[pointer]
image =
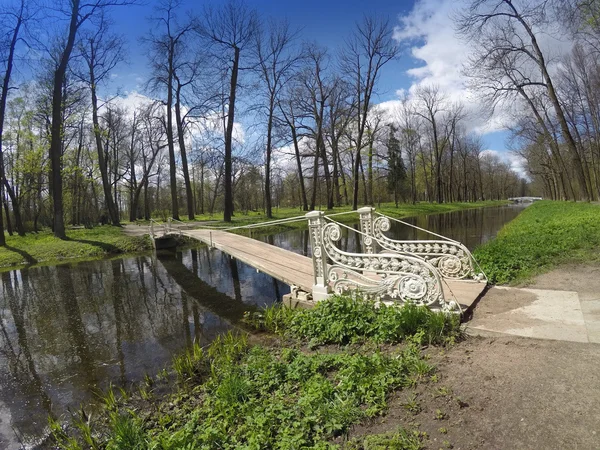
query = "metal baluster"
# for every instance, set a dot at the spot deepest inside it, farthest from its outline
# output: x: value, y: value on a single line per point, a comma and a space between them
x: 316, y: 222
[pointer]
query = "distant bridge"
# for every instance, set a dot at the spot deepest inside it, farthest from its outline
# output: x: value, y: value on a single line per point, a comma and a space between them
x: 440, y: 273
x: 524, y: 199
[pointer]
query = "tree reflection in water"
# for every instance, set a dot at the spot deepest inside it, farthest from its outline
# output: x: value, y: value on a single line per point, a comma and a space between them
x: 68, y: 330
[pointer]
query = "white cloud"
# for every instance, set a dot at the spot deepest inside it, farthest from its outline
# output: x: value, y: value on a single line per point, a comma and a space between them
x: 428, y: 33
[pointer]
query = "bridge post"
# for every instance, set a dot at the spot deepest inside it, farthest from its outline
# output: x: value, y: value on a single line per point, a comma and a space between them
x: 316, y: 222
x: 366, y: 227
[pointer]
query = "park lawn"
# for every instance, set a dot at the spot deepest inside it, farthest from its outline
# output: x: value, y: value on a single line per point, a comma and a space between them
x: 81, y: 244
x: 403, y: 210
x: 544, y: 235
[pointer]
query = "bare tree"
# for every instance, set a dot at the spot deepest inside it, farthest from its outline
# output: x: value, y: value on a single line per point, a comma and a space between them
x: 101, y: 52
x: 78, y: 15
x: 167, y: 48
x: 367, y: 50
x: 276, y: 63
x: 17, y: 17
x: 230, y: 29
x: 506, y: 36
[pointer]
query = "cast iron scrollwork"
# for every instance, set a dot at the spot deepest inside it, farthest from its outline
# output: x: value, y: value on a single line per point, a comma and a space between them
x: 452, y: 259
x: 395, y: 276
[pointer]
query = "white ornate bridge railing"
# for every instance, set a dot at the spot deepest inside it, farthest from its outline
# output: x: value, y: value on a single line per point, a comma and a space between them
x: 394, y: 276
x: 451, y: 258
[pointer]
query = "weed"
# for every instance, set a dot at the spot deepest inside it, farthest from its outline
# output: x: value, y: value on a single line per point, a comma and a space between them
x: 400, y: 440
x: 127, y: 433
x: 190, y: 363
x: 443, y: 391
x: 412, y: 405
x: 350, y: 319
x: 440, y: 415
x: 443, y: 430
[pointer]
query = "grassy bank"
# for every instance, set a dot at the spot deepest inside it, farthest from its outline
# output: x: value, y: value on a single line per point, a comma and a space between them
x: 543, y: 236
x: 99, y: 242
x: 81, y: 244
x: 402, y: 211
x: 300, y: 388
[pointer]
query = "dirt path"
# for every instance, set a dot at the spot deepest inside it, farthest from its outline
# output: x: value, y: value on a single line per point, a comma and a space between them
x: 511, y: 392
x: 521, y: 394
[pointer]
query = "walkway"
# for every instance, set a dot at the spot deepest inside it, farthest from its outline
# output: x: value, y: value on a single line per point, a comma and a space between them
x: 563, y: 304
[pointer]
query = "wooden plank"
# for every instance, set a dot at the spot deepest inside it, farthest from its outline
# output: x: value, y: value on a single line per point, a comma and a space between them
x: 288, y: 267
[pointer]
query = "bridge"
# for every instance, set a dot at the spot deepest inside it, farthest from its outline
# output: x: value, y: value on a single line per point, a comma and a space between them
x: 440, y: 273
x: 524, y: 199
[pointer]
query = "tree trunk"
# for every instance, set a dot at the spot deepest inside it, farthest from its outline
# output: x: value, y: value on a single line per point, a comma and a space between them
x: 184, y: 162
x: 268, y: 200
x: 3, y: 99
x: 170, y: 141
x: 57, y: 125
x: 110, y: 205
x: 228, y: 210
x: 299, y: 166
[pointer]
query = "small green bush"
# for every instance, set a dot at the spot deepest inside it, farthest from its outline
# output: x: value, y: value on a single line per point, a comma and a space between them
x: 345, y: 319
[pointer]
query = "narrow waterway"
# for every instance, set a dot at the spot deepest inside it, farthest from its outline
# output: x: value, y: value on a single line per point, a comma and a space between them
x: 67, y: 331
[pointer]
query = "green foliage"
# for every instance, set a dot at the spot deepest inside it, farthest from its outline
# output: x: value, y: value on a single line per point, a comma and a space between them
x: 190, y: 363
x: 401, y: 440
x: 240, y: 396
x: 92, y: 243
x: 543, y: 235
x: 347, y: 319
x: 126, y: 433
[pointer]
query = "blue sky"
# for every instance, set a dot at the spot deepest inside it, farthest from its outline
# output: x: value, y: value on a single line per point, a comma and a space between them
x: 429, y: 49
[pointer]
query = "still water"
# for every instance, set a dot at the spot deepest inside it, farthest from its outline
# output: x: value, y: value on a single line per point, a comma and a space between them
x: 67, y: 331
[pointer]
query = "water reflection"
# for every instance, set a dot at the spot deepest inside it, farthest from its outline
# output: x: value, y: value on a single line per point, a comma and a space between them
x: 68, y: 330
x: 472, y: 227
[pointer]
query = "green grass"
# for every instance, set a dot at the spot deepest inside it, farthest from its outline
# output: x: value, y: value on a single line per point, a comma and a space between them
x: 344, y: 320
x: 543, y: 236
x: 236, y: 395
x: 403, y: 210
x: 81, y: 244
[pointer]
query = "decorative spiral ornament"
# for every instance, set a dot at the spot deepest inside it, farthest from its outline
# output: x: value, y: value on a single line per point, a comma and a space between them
x: 333, y: 231
x: 367, y: 240
x: 383, y: 223
x: 412, y: 287
x: 317, y: 252
x: 450, y: 266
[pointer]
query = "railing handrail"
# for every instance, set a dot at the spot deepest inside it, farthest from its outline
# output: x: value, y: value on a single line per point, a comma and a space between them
x: 417, y: 227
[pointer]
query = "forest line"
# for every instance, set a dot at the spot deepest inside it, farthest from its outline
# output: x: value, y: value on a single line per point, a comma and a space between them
x: 243, y: 113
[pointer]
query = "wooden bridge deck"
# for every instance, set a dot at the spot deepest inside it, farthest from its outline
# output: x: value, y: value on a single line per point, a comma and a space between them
x: 294, y: 269
x: 288, y: 267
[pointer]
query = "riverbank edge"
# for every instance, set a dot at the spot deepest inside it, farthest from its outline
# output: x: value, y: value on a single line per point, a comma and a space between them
x: 544, y: 236
x: 402, y: 212
x: 383, y: 352
x: 42, y: 249
x: 54, y: 253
